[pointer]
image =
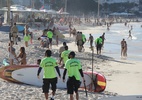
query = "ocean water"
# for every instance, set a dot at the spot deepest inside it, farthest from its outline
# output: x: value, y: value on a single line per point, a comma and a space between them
x: 114, y: 36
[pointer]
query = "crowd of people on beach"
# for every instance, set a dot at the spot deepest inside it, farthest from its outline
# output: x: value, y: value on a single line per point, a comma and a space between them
x: 67, y: 57
x: 70, y: 63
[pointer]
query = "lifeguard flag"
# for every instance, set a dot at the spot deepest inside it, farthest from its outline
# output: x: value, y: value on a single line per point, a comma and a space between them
x: 61, y: 10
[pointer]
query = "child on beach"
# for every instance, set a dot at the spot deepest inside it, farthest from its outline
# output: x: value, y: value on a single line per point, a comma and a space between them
x: 12, y: 54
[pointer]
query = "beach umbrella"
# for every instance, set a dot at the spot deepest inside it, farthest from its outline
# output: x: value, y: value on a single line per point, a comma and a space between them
x: 51, y: 11
x: 65, y: 13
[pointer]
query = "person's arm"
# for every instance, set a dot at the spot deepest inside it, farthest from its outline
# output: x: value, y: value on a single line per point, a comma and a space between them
x: 61, y: 58
x: 82, y: 75
x: 81, y: 72
x: 39, y: 70
x: 58, y: 71
x: 64, y: 74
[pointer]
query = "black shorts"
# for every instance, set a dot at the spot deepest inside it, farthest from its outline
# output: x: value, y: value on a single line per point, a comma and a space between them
x: 50, y: 40
x: 72, y: 85
x: 46, y: 85
x: 99, y: 46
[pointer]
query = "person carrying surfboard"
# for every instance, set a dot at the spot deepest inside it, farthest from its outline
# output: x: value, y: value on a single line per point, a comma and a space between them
x: 73, y: 67
x: 64, y: 56
x: 49, y: 64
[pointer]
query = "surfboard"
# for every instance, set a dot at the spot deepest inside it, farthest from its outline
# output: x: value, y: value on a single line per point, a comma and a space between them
x: 133, y: 97
x: 60, y: 27
x: 29, y: 76
x: 59, y: 34
x: 98, y: 82
x: 7, y: 28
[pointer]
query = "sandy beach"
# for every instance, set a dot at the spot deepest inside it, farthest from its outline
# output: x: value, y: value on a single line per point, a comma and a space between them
x: 123, y: 76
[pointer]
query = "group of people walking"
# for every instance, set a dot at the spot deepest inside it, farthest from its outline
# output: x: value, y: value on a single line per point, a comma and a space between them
x: 72, y: 67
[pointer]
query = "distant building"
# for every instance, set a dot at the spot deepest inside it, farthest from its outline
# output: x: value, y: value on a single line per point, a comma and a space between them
x: 119, y: 1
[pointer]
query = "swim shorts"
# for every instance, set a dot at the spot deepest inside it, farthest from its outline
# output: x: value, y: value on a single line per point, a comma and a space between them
x: 72, y: 85
x: 46, y: 84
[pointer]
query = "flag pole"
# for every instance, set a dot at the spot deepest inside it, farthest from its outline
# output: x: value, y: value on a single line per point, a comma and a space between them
x: 65, y: 5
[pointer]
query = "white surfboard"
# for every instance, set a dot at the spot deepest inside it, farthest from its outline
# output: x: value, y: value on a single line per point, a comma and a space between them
x: 29, y: 76
x: 60, y: 27
x: 133, y: 97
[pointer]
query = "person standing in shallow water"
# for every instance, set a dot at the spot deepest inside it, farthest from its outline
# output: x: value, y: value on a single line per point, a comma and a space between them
x: 49, y: 64
x: 123, y: 48
x: 130, y: 36
x: 91, y: 39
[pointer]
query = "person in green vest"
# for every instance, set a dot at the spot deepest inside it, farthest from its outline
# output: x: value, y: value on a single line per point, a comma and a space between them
x: 64, y: 56
x: 83, y: 40
x: 74, y: 69
x: 49, y: 64
x: 98, y: 43
x: 50, y: 36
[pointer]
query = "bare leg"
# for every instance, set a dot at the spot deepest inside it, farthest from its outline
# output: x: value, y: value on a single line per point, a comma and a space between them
x: 46, y: 96
x: 77, y: 96
x: 71, y: 96
x: 57, y: 40
x: 11, y: 61
x: 26, y: 43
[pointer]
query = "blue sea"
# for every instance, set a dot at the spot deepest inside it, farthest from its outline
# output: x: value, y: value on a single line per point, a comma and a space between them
x: 115, y: 35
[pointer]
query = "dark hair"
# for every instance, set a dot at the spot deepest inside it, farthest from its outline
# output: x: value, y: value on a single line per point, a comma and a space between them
x: 10, y: 43
x: 48, y: 53
x: 66, y: 47
x: 14, y: 23
x: 72, y: 53
x: 39, y: 38
x: 38, y: 61
x: 64, y: 43
x: 22, y: 49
